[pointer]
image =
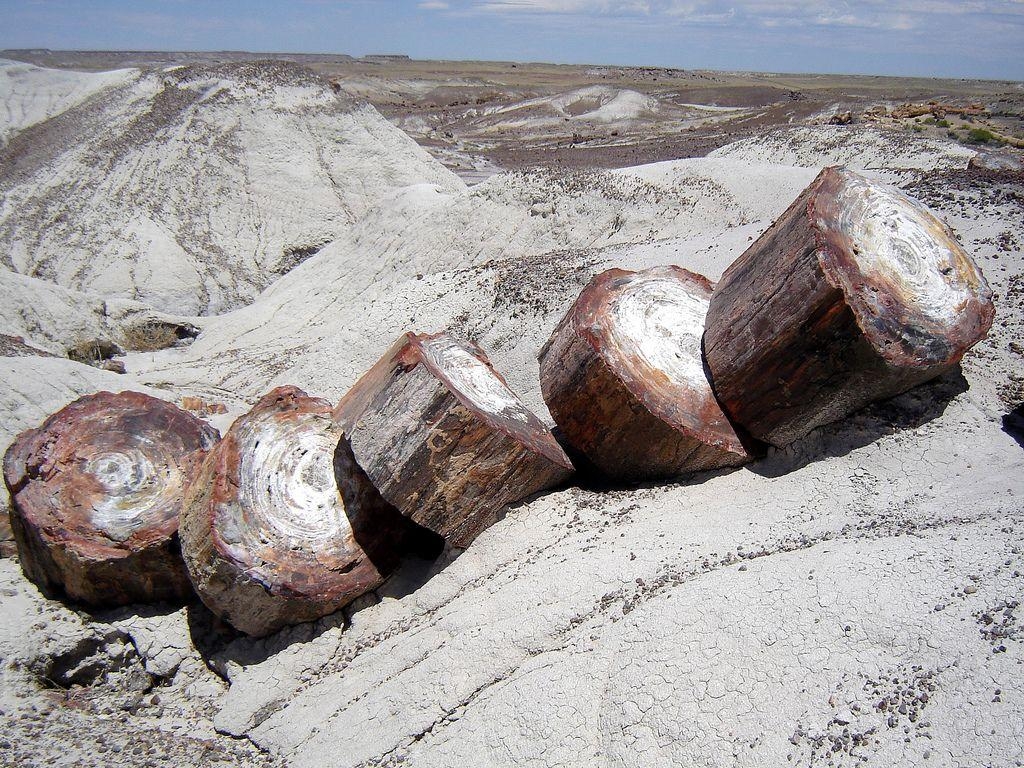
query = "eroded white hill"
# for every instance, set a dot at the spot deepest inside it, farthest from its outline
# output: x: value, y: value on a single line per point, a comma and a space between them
x: 858, y: 147
x: 194, y: 188
x: 30, y: 94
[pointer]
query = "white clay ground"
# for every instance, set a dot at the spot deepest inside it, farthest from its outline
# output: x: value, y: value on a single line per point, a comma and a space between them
x: 851, y: 600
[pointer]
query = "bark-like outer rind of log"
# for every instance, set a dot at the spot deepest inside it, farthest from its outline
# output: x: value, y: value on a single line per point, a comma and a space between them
x: 253, y: 581
x: 632, y: 421
x: 444, y: 461
x: 61, y: 548
x: 798, y: 335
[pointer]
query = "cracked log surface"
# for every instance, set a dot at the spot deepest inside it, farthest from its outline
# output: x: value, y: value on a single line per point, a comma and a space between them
x: 443, y: 438
x: 96, y: 492
x: 855, y: 294
x: 267, y: 536
x: 624, y: 378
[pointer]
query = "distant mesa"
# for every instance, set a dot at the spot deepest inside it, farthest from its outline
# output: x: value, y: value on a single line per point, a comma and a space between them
x: 385, y: 57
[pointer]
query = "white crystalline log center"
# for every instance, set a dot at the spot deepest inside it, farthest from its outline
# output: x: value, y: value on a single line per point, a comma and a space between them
x: 474, y: 380
x: 656, y: 319
x: 132, y: 486
x: 899, y: 243
x: 287, y: 487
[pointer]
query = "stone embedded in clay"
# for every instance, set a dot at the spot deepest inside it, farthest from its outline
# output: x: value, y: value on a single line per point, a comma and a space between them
x: 856, y: 293
x: 267, y: 535
x: 623, y: 376
x: 96, y: 494
x: 444, y: 439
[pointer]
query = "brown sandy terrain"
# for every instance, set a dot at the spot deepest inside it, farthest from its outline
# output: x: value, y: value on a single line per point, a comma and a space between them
x: 479, y: 117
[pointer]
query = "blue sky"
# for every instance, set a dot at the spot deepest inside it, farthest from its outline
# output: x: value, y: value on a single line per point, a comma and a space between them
x: 973, y: 38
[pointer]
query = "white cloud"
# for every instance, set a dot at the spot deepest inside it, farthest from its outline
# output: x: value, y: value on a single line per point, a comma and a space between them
x: 610, y: 7
x: 434, y: 5
x: 840, y: 30
x: 868, y: 14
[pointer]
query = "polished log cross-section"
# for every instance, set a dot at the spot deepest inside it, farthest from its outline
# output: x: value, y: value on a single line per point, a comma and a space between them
x: 856, y: 293
x: 267, y: 536
x: 624, y: 379
x: 442, y: 437
x: 96, y: 492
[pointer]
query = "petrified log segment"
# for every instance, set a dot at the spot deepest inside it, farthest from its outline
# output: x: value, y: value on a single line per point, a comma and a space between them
x: 444, y: 439
x: 267, y: 537
x: 855, y: 294
x: 624, y: 379
x: 96, y: 491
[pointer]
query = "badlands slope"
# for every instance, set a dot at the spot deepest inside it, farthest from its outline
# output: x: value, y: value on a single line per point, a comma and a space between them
x: 853, y: 599
x: 193, y: 188
x: 32, y: 94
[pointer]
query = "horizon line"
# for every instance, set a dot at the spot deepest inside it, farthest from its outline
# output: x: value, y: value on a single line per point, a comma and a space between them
x: 353, y: 57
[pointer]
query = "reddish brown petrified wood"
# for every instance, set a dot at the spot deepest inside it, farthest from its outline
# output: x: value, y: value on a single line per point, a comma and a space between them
x: 96, y: 491
x: 268, y: 538
x: 444, y: 440
x: 855, y: 294
x: 624, y: 378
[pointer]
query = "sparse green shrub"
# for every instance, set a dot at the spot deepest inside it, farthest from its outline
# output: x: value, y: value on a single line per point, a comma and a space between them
x: 943, y: 123
x: 982, y: 136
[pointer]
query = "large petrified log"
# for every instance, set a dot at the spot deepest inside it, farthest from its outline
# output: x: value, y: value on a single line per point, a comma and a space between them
x: 96, y: 491
x: 855, y: 294
x: 624, y: 378
x: 444, y: 439
x: 267, y: 536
